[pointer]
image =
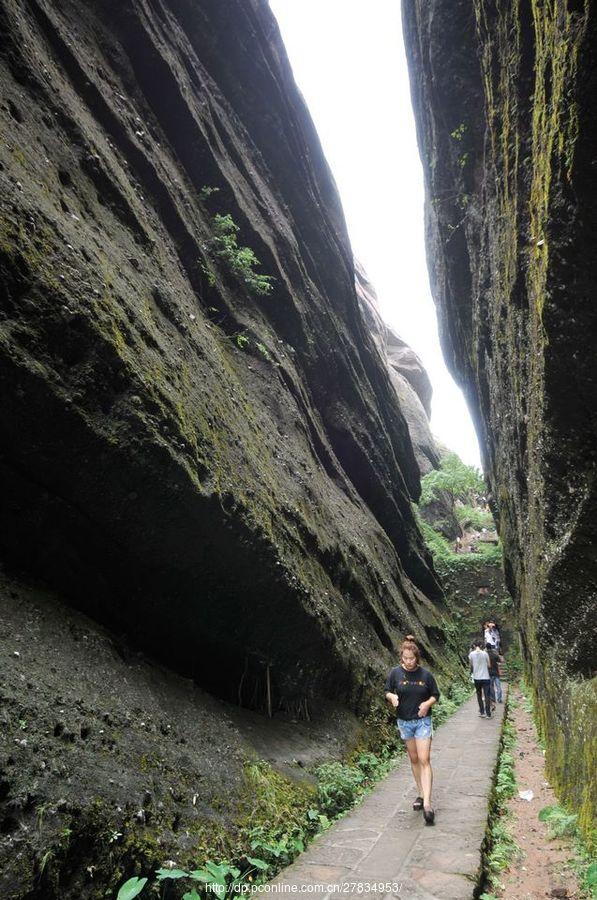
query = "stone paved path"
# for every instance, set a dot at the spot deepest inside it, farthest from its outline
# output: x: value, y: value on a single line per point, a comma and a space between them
x: 384, y: 841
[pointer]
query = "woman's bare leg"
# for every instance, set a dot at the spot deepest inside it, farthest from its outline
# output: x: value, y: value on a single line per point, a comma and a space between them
x: 411, y: 749
x: 423, y: 751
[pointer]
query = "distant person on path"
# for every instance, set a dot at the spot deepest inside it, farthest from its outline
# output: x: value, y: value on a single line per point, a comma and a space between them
x: 495, y: 688
x: 412, y: 691
x: 479, y: 661
x: 487, y: 634
x: 492, y: 635
x: 497, y: 637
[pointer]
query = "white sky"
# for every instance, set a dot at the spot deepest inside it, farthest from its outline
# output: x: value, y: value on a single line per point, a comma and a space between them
x: 348, y: 60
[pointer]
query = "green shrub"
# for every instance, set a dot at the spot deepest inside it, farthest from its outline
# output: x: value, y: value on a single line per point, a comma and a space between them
x: 369, y: 764
x: 240, y: 261
x: 561, y: 823
x: 447, y: 562
x: 462, y: 482
x: 338, y: 787
x: 474, y: 517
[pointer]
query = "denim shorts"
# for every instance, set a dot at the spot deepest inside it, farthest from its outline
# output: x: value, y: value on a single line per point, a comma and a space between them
x: 415, y: 728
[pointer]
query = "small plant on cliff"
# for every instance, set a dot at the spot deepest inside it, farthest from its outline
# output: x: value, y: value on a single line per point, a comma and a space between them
x: 459, y: 132
x: 206, y: 191
x: 240, y: 261
x: 264, y: 351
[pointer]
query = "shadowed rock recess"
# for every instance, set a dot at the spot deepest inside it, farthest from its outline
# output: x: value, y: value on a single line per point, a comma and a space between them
x: 212, y: 465
x: 504, y: 99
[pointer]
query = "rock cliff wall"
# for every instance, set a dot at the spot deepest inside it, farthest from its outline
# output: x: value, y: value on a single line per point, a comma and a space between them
x: 407, y: 375
x: 205, y: 459
x: 200, y: 446
x: 504, y: 100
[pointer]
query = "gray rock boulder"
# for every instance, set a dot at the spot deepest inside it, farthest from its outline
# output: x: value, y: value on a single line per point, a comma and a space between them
x: 407, y: 373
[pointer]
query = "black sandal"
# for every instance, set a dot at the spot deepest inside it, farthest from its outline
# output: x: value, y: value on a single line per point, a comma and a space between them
x: 429, y: 816
x: 418, y: 804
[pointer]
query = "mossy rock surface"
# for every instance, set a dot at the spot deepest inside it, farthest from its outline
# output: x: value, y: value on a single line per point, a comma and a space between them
x: 188, y: 461
x: 504, y: 100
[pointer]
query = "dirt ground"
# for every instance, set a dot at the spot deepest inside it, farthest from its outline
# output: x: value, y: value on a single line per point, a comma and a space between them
x: 109, y: 762
x: 539, y: 870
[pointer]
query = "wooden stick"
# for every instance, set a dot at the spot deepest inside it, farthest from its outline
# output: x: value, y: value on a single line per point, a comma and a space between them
x: 269, y: 692
x: 242, y: 678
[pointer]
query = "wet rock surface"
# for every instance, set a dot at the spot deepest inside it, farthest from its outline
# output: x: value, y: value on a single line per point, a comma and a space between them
x: 218, y: 466
x: 504, y: 101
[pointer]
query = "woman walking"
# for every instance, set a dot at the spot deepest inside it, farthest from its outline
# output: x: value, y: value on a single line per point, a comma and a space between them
x: 412, y: 691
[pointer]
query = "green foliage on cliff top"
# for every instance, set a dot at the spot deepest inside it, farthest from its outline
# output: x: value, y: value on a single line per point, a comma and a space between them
x: 464, y: 483
x: 446, y: 561
x: 474, y: 517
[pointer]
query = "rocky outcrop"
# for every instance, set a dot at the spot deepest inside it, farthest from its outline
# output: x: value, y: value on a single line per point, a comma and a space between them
x: 198, y: 449
x: 504, y: 100
x: 407, y: 373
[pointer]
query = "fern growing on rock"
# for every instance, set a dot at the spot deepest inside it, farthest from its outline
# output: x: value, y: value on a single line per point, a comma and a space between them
x: 239, y: 261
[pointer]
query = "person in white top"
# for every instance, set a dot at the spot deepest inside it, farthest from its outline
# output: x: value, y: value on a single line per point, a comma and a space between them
x: 488, y: 635
x: 479, y: 662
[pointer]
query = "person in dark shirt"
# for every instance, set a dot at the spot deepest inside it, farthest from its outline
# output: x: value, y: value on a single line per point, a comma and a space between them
x: 494, y: 674
x: 412, y: 691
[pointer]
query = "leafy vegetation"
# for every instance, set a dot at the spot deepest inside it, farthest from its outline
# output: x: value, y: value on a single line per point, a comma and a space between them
x: 447, y: 561
x: 474, y: 517
x: 206, y: 192
x: 460, y: 490
x: 461, y: 482
x: 561, y: 823
x: 239, y: 261
x: 131, y: 888
x: 339, y: 786
x: 501, y: 846
x: 459, y: 132
x: 589, y: 879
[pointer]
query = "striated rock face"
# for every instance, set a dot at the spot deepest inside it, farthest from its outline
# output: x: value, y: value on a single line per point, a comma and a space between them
x: 407, y: 373
x: 504, y: 99
x: 212, y: 463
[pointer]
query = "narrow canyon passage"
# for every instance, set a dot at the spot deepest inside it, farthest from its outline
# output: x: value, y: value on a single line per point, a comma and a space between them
x: 225, y: 507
